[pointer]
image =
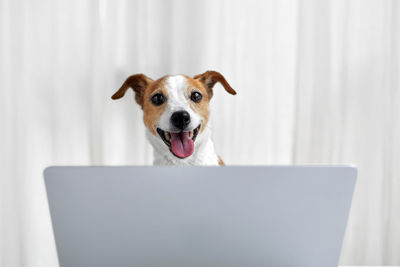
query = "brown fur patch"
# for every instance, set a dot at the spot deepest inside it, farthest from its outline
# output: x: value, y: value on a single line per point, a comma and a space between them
x: 138, y: 82
x: 210, y: 78
x: 202, y: 107
x: 152, y: 113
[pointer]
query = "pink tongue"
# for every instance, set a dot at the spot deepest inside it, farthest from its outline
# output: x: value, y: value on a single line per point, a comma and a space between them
x: 182, y: 146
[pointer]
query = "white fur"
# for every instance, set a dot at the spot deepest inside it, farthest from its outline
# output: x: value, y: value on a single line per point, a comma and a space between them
x: 176, y: 87
x: 178, y: 99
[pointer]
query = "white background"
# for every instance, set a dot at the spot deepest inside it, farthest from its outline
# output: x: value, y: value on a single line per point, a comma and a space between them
x: 317, y: 82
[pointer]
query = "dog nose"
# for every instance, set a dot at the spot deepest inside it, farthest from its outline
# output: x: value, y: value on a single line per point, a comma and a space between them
x: 180, y: 119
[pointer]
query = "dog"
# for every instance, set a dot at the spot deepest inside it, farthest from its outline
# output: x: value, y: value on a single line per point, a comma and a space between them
x: 176, y: 113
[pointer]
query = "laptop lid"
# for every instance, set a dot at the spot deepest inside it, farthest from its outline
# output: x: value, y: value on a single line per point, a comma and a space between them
x: 199, y: 216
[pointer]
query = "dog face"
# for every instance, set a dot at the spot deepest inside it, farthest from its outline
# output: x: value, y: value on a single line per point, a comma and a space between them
x: 175, y: 108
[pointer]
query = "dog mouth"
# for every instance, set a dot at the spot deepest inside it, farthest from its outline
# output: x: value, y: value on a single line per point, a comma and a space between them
x: 181, y: 144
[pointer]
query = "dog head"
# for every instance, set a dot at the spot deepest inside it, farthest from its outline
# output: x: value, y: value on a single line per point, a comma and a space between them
x: 175, y: 108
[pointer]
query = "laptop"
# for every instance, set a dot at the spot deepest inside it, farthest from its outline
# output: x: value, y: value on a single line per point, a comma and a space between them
x: 239, y: 216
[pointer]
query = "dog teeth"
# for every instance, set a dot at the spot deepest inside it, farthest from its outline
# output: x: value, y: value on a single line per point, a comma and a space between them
x: 191, y: 134
x: 168, y: 136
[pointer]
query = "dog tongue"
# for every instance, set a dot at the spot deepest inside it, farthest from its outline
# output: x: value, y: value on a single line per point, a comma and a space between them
x: 182, y: 146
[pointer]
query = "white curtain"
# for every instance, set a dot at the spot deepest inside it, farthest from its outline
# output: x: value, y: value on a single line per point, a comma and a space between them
x: 317, y: 82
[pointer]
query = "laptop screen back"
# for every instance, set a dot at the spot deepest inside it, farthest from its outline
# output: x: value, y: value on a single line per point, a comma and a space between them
x: 199, y: 216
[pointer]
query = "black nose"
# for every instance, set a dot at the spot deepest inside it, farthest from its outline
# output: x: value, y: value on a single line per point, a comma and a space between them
x: 180, y: 119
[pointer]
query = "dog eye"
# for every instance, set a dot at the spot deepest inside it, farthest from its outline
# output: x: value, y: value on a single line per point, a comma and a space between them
x: 158, y: 99
x: 196, y: 97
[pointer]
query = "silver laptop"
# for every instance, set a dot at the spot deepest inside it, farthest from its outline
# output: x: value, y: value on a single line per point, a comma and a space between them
x: 199, y: 216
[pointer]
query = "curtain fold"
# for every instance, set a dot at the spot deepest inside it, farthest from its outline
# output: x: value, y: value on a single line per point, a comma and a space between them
x: 317, y: 82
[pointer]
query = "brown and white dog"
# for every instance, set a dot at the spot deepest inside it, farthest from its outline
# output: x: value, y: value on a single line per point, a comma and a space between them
x: 175, y: 113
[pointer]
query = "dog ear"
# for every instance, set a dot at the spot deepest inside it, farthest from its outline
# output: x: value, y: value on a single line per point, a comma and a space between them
x: 210, y: 78
x: 138, y: 82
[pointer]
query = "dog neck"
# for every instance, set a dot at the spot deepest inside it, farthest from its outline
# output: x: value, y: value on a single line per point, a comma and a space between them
x: 204, y: 152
